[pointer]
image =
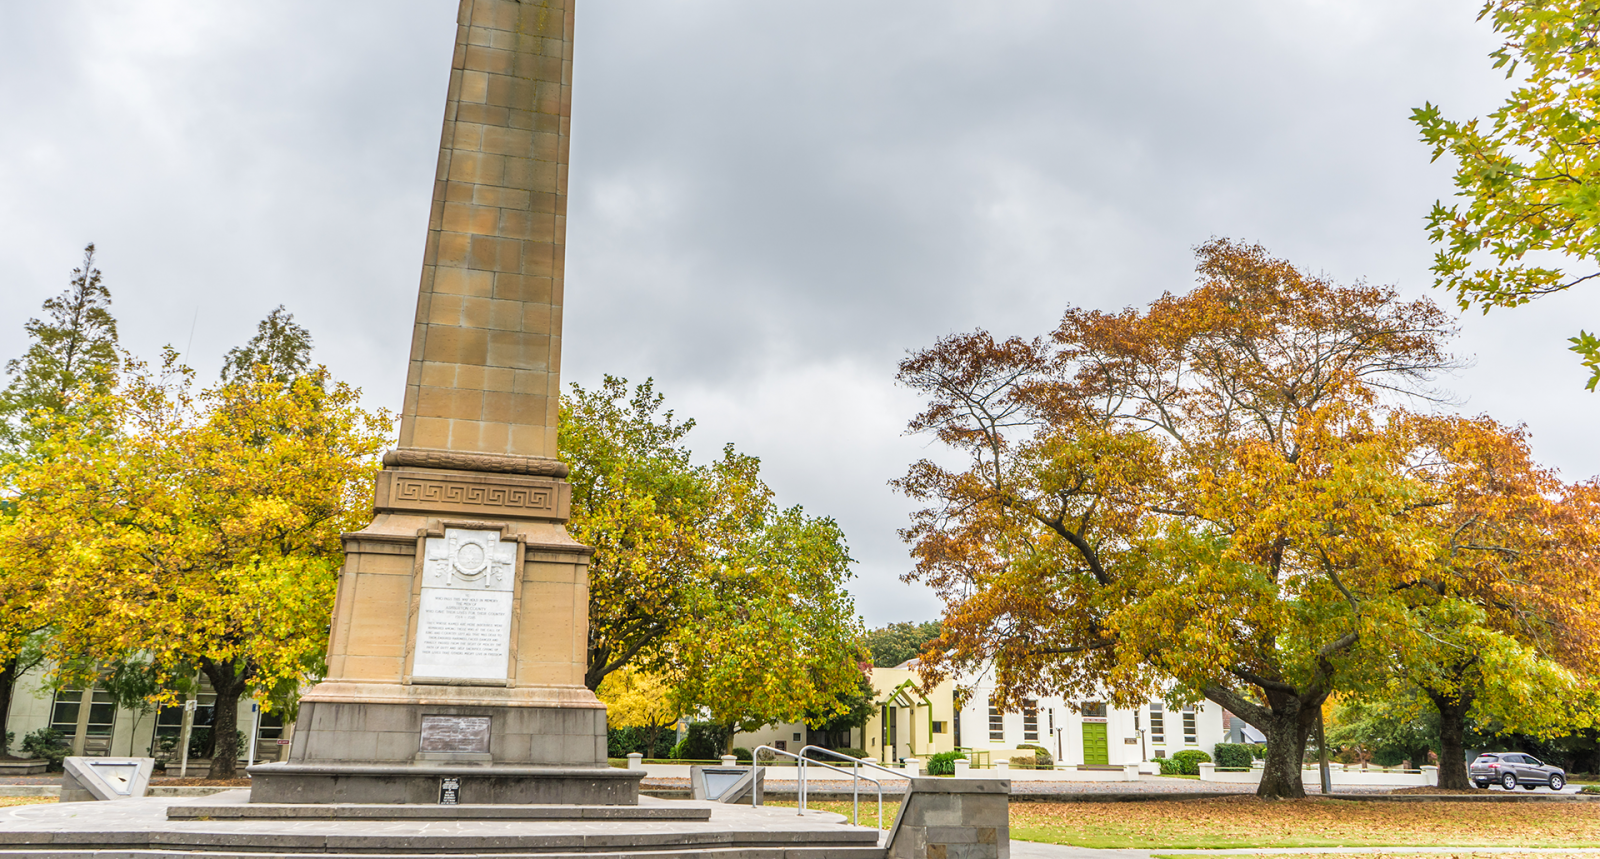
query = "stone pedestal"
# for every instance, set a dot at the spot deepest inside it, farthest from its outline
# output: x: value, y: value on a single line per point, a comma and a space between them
x: 458, y: 652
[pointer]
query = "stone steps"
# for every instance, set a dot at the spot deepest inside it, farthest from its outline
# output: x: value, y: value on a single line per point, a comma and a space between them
x: 809, y: 852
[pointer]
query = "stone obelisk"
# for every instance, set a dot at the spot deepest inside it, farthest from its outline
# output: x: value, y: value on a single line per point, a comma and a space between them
x: 459, y: 639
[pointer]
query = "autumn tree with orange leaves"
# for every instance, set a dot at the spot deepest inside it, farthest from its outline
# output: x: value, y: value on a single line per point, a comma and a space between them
x: 1505, y: 625
x: 1200, y: 499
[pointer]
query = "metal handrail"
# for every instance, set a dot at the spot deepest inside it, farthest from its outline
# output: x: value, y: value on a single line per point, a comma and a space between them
x: 856, y: 765
x: 801, y: 763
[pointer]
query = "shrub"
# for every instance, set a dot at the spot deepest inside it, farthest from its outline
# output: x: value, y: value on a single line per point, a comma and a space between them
x: 46, y: 744
x: 741, y: 754
x: 1590, y: 788
x: 621, y: 742
x: 1189, y: 761
x: 703, y: 742
x: 1233, y: 755
x: 1025, y: 762
x: 1042, y: 757
x: 10, y: 736
x: 854, y: 753
x: 1259, y: 750
x: 1170, y: 766
x: 944, y: 763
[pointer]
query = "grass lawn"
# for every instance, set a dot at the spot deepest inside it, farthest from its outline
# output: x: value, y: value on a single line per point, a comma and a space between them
x: 1241, y: 821
x: 8, y: 801
x: 869, y: 809
x: 1462, y: 854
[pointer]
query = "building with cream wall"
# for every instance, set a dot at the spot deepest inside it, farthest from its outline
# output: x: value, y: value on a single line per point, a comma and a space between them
x: 908, y: 724
x: 110, y: 730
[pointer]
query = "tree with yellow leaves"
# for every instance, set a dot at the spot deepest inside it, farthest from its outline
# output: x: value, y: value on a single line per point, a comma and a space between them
x: 635, y: 699
x: 202, y: 531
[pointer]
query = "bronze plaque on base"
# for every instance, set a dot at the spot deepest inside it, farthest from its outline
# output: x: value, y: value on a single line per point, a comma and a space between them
x: 455, y: 734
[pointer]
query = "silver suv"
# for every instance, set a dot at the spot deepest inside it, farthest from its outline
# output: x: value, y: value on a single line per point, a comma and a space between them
x: 1513, y: 768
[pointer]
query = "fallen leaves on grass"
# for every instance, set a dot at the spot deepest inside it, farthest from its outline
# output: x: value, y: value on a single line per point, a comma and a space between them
x: 8, y: 801
x: 1245, y: 821
x: 869, y: 810
x: 1459, y: 854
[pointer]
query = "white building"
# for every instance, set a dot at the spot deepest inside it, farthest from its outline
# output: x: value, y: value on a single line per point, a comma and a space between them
x: 92, y: 724
x: 1079, y: 733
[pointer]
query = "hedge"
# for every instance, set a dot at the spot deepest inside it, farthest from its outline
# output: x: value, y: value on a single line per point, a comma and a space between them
x: 1187, y: 762
x: 1234, y: 755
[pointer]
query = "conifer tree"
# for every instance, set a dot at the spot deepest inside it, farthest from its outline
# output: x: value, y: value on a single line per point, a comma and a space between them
x: 281, y: 344
x: 72, y: 360
x: 74, y: 347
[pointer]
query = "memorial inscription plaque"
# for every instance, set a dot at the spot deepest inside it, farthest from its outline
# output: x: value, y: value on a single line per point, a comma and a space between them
x: 465, y: 606
x: 455, y: 734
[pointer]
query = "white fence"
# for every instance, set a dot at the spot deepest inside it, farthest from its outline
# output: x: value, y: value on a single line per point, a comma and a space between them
x: 1340, y: 774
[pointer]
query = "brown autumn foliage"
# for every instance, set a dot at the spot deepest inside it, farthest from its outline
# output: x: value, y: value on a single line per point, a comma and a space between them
x: 1215, y: 492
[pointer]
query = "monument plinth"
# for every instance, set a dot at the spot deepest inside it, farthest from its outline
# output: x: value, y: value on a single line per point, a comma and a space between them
x: 460, y: 629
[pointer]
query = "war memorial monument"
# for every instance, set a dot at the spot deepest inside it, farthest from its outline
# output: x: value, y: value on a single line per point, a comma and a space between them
x: 460, y: 630
x: 454, y: 718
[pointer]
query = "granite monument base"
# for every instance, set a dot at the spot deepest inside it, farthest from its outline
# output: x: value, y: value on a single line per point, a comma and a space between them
x: 446, y: 744
x: 446, y: 728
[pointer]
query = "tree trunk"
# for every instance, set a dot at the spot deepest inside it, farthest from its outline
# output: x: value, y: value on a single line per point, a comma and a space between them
x: 1287, y: 719
x: 229, y: 683
x: 1286, y: 748
x: 1453, y: 709
x: 8, y: 682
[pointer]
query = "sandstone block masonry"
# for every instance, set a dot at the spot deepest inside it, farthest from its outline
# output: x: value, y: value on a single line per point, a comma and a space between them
x: 484, y: 372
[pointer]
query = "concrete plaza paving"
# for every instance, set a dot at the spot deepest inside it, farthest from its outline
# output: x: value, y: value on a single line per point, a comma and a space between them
x: 92, y: 828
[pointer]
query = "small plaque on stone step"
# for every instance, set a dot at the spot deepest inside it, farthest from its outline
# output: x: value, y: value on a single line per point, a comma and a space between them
x: 449, y: 791
x: 455, y: 734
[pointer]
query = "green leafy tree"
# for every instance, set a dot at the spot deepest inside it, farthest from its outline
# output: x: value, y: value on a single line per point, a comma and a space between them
x: 773, y: 635
x: 281, y: 345
x: 1528, y: 177
x: 72, y: 358
x: 853, y: 708
x: 896, y: 643
x: 697, y: 576
x: 640, y: 503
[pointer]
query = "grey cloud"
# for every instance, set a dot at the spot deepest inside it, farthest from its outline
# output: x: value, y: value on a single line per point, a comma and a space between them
x: 771, y: 202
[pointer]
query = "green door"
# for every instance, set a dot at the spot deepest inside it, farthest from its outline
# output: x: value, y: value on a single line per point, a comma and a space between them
x: 1094, y: 744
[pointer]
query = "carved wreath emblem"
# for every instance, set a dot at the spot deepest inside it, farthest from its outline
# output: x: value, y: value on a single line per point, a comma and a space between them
x: 464, y: 558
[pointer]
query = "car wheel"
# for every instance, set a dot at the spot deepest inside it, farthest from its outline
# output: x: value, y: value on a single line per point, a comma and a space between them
x: 1557, y: 782
x: 1508, y: 781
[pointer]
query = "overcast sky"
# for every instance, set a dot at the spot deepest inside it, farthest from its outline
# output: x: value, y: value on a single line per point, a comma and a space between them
x: 771, y: 202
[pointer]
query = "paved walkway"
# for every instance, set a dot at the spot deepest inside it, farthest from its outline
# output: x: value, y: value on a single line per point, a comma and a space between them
x: 143, y: 824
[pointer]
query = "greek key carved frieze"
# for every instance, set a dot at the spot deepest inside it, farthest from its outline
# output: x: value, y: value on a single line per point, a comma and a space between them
x: 411, y: 490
